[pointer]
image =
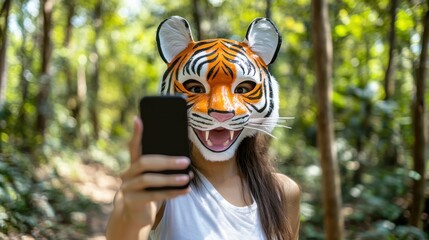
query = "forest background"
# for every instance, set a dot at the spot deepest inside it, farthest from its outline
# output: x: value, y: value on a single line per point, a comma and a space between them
x: 72, y: 72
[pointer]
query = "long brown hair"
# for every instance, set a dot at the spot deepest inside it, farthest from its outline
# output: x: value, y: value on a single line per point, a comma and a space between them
x: 258, y: 172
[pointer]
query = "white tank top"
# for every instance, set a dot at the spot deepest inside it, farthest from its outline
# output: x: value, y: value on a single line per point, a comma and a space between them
x: 205, y: 214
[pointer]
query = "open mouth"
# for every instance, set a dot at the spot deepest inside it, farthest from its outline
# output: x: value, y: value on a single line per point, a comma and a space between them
x: 217, y: 140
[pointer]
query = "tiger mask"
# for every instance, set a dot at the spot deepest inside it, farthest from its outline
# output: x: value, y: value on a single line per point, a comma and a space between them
x: 230, y: 93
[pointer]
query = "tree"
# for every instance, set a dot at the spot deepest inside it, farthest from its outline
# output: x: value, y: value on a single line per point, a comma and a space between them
x: 43, y: 109
x: 4, y: 13
x: 268, y: 8
x: 322, y: 43
x: 389, y: 84
x: 94, y: 83
x: 391, y: 155
x: 197, y: 16
x: 26, y: 53
x: 419, y: 128
x: 74, y: 102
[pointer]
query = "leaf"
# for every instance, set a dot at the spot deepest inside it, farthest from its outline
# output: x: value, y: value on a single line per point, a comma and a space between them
x: 414, y: 175
x: 341, y: 30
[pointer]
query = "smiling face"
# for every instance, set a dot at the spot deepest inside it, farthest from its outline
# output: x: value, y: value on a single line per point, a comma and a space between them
x: 230, y: 92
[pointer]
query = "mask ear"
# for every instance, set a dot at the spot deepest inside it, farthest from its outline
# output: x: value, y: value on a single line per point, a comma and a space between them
x: 172, y: 37
x: 264, y: 39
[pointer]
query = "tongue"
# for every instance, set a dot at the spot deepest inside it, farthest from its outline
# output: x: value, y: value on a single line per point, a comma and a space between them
x: 218, y: 137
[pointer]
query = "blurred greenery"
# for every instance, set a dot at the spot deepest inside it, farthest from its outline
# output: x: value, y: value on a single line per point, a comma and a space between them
x: 370, y: 131
x: 37, y: 202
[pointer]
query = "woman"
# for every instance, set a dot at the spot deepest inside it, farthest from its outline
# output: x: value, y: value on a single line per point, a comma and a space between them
x: 232, y: 106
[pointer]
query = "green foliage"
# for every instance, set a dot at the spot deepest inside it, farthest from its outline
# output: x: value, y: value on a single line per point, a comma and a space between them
x: 35, y: 202
x: 388, y: 230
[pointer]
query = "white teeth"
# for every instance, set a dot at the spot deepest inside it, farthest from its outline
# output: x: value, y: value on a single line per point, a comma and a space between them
x: 209, y: 143
x: 231, y: 135
x: 226, y: 143
x: 207, y: 135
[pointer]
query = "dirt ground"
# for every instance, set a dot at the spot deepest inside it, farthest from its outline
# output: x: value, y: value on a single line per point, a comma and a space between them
x: 99, y: 185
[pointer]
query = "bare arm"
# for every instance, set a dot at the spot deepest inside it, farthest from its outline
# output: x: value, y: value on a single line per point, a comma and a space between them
x: 135, y: 209
x: 124, y: 226
x: 293, y: 196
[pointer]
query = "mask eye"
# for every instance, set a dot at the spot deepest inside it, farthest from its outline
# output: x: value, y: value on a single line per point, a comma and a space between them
x: 194, y: 86
x: 245, y: 87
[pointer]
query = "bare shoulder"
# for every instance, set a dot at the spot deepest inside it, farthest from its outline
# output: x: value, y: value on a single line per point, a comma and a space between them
x: 293, y: 195
x: 291, y: 188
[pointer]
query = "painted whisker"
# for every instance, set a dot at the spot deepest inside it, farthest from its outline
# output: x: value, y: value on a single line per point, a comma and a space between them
x: 270, y: 125
x: 267, y: 123
x: 269, y: 120
x: 286, y: 118
x: 258, y: 129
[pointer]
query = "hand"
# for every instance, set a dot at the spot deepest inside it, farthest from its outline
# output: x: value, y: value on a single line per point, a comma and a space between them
x: 141, y: 206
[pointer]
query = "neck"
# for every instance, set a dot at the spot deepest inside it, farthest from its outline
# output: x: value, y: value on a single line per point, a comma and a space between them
x: 218, y: 171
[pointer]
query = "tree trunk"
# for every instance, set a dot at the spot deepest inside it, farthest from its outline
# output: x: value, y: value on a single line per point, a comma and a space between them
x: 25, y: 62
x: 94, y: 83
x: 43, y: 108
x: 322, y: 42
x: 268, y: 9
x: 81, y: 98
x: 391, y: 155
x: 73, y: 101
x: 24, y: 137
x: 22, y: 119
x: 71, y: 8
x: 389, y: 80
x: 4, y: 13
x: 419, y: 129
x: 196, y: 13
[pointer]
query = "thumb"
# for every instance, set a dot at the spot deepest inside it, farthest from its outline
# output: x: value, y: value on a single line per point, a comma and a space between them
x: 135, y: 143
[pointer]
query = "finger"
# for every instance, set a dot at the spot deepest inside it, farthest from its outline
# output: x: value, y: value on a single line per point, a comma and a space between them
x: 155, y: 180
x: 135, y: 143
x: 155, y: 163
x: 137, y: 198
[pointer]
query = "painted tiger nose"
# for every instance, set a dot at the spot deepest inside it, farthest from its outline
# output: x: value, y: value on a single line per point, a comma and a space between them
x: 221, y: 116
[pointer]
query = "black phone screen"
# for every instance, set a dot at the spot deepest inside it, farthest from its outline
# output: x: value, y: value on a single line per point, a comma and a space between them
x: 165, y: 129
x: 165, y: 125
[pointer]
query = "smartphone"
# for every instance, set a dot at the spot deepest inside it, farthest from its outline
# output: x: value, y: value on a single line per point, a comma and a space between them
x: 165, y: 130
